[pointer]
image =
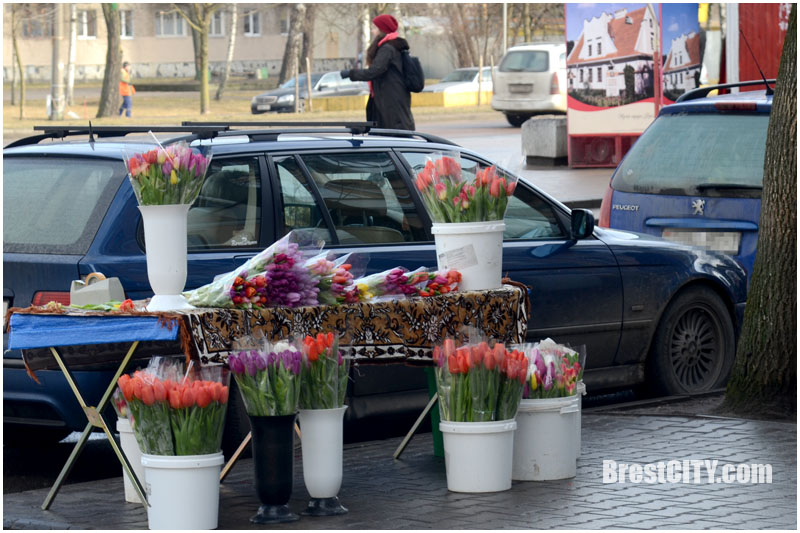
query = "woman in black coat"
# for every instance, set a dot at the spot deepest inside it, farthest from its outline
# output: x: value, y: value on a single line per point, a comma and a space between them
x: 389, y: 104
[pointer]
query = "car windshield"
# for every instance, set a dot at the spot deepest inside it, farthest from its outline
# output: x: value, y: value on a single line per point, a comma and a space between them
x: 302, y: 77
x: 55, y: 205
x: 680, y: 152
x: 525, y: 61
x: 459, y: 75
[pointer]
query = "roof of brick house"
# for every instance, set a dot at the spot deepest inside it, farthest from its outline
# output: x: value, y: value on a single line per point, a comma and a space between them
x: 693, y: 47
x: 623, y: 34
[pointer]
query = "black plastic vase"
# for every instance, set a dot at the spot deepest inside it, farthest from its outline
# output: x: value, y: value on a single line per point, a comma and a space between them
x: 273, y: 458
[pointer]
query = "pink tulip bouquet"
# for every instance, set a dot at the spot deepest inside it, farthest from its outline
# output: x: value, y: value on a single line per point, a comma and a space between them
x: 171, y: 175
x: 451, y: 196
x: 555, y: 369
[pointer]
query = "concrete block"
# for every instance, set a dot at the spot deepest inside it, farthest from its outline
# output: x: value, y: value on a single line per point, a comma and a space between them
x: 544, y: 139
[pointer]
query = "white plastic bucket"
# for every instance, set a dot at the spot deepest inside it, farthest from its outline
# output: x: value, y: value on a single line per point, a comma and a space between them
x: 182, y: 490
x: 545, y: 440
x: 127, y: 441
x: 581, y: 390
x: 322, y: 450
x: 477, y: 455
x: 473, y: 248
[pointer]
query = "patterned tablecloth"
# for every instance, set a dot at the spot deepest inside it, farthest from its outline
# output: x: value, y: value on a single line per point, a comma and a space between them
x: 393, y: 331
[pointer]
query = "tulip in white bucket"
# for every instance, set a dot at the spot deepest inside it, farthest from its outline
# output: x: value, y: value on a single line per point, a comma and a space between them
x: 478, y: 455
x: 545, y: 441
x: 473, y: 248
x: 130, y: 448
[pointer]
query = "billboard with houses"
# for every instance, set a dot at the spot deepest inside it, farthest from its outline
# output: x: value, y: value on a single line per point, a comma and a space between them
x: 681, y: 60
x: 611, y: 78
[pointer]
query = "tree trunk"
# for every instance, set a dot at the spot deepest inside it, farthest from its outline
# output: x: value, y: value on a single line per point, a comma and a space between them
x: 73, y: 41
x: 364, y: 40
x: 57, y: 73
x: 229, y: 58
x: 109, y: 95
x: 196, y: 46
x: 205, y: 103
x: 308, y: 33
x: 459, y: 35
x: 764, y: 375
x: 526, y: 21
x: 291, y: 54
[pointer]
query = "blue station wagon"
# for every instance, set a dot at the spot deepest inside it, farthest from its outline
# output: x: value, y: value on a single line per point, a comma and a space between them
x: 650, y: 312
x: 695, y: 175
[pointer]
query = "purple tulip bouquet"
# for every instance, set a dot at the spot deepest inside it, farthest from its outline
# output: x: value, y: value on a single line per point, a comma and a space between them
x: 268, y: 379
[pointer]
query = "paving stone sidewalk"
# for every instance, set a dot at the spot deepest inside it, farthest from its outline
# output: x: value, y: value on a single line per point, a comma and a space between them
x: 411, y: 493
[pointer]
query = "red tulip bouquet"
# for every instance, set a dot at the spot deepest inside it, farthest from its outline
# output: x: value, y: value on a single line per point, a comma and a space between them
x: 174, y: 415
x: 478, y: 383
x: 453, y: 196
x: 441, y: 283
x: 268, y: 378
x: 555, y: 369
x: 171, y: 175
x: 324, y: 372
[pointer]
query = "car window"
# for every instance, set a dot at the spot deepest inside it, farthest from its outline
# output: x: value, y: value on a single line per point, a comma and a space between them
x: 459, y: 76
x: 525, y: 61
x: 299, y: 209
x: 528, y: 216
x: 679, y: 152
x: 55, y: 205
x: 487, y: 75
x: 227, y: 211
x: 331, y: 79
x: 366, y: 197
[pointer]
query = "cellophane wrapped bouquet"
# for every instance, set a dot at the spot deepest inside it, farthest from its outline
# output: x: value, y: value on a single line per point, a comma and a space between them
x: 555, y: 369
x: 389, y: 284
x: 176, y: 412
x: 452, y: 195
x: 324, y: 372
x: 171, y: 175
x: 277, y: 276
x: 268, y: 376
x: 478, y: 382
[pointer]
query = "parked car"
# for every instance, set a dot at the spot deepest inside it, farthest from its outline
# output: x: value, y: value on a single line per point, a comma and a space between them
x: 645, y: 308
x: 323, y: 85
x: 531, y: 79
x: 695, y: 175
x: 462, y: 80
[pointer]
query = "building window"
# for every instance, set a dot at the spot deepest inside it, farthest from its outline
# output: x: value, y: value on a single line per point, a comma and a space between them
x: 590, y: 50
x: 589, y: 72
x: 580, y: 74
x: 169, y: 25
x: 87, y: 24
x: 217, y: 28
x: 599, y: 73
x: 681, y: 78
x: 599, y: 49
x: 252, y: 24
x: 38, y: 21
x: 285, y: 21
x: 126, y: 23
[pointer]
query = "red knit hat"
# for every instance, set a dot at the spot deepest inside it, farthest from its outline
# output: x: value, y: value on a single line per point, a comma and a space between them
x: 385, y: 23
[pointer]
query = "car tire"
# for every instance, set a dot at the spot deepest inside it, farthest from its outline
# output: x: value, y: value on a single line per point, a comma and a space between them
x: 237, y: 423
x: 516, y: 120
x: 18, y: 436
x: 694, y: 344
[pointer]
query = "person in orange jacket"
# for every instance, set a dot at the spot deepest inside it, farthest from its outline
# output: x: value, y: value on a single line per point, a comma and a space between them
x: 126, y: 89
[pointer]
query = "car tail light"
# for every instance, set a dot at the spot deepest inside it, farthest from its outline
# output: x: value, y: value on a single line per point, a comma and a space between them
x: 605, y: 208
x: 44, y: 297
x: 554, y: 89
x: 735, y: 106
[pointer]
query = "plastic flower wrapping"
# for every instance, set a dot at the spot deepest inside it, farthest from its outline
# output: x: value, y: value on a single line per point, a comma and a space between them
x: 268, y: 376
x: 324, y: 371
x: 176, y: 412
x: 555, y: 369
x: 171, y: 175
x: 479, y: 381
x: 450, y: 195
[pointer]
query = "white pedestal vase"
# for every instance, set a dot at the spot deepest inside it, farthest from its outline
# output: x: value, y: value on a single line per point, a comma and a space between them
x: 165, y: 242
x: 182, y: 490
x: 322, y: 442
x: 473, y: 248
x: 127, y: 441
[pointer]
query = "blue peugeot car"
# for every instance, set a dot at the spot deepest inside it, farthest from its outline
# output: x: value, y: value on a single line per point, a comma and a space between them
x: 695, y: 175
x: 651, y: 313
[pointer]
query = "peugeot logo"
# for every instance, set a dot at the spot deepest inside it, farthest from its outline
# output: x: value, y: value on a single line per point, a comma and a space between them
x: 698, y: 206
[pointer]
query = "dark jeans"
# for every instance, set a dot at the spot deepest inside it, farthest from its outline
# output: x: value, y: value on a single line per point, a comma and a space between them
x: 127, y: 105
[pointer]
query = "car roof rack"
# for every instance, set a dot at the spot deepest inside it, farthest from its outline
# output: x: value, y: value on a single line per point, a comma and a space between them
x: 282, y: 128
x: 61, y: 132
x: 702, y: 92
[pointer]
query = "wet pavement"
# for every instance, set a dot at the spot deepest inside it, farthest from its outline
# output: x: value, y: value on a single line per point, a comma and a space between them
x: 411, y: 492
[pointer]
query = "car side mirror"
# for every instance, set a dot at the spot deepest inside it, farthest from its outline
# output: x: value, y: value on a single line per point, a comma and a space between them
x: 581, y: 224
x: 322, y: 86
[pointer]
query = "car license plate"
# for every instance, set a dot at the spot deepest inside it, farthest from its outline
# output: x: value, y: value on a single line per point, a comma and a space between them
x: 519, y: 88
x: 263, y: 107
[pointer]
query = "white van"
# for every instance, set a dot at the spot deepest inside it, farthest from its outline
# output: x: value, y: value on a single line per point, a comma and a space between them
x: 531, y: 79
